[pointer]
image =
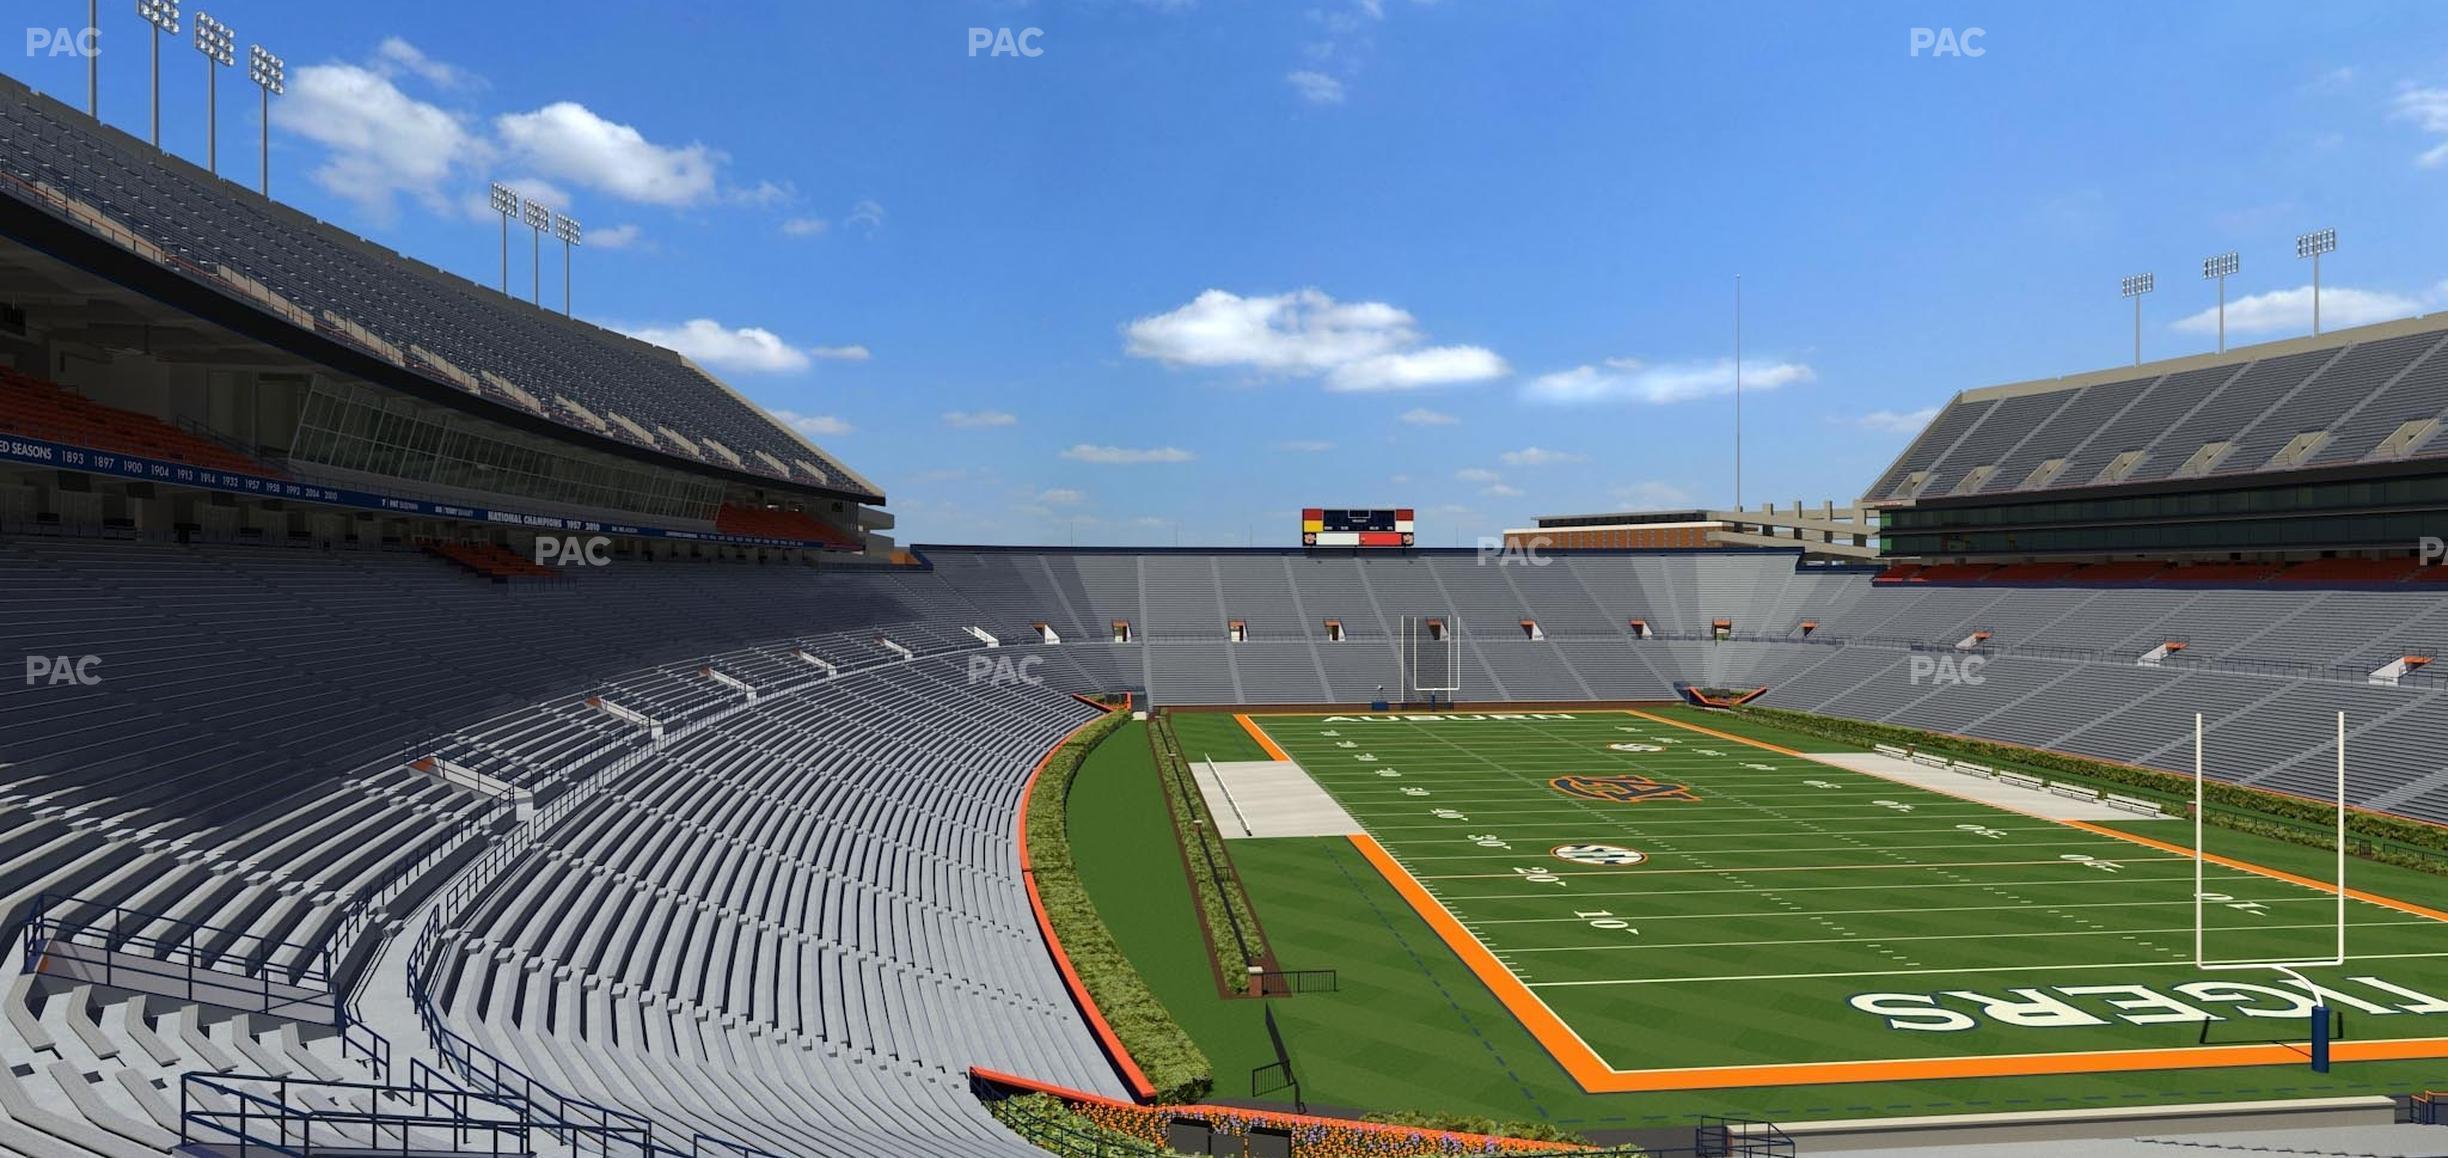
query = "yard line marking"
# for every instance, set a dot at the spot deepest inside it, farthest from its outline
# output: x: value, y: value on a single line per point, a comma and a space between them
x: 2105, y: 931
x: 2129, y: 878
x: 1646, y: 871
x: 1721, y: 849
x: 1761, y: 915
x: 2185, y: 963
x: 2147, y: 842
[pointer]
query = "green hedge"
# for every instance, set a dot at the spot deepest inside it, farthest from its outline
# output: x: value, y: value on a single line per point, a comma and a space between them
x: 1164, y: 1051
x: 1220, y: 902
x: 2296, y: 819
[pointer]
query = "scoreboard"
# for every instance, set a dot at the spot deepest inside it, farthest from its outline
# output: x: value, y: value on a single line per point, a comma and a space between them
x: 1356, y: 527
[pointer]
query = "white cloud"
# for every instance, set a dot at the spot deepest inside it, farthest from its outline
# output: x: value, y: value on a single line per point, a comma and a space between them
x: 566, y: 140
x: 1126, y: 456
x: 1477, y: 474
x: 1061, y: 497
x: 616, y: 237
x: 840, y: 353
x: 1631, y: 380
x: 1893, y: 421
x: 1354, y: 346
x: 1422, y: 416
x: 1315, y: 87
x: 381, y: 141
x: 395, y: 56
x: 2428, y: 109
x: 805, y: 227
x: 1437, y: 366
x: 1540, y: 456
x: 866, y: 215
x: 979, y: 419
x: 1306, y: 446
x: 1502, y: 491
x: 2291, y: 309
x: 747, y: 349
x: 813, y: 425
x: 763, y: 194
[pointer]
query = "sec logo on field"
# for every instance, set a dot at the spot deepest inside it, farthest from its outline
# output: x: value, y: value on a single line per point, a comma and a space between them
x: 1623, y: 788
x: 1609, y: 855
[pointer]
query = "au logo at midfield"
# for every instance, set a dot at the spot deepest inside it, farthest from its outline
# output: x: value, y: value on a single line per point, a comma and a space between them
x: 1620, y: 788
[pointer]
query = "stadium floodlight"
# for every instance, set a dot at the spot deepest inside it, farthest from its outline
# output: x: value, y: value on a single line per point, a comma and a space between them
x: 2313, y: 245
x: 93, y: 59
x: 163, y: 15
x: 538, y: 219
x: 220, y: 49
x: 2218, y: 269
x: 566, y: 228
x: 270, y: 74
x: 2134, y: 287
x: 506, y: 203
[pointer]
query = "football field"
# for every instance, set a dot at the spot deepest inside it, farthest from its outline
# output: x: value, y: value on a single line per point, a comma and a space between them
x: 1667, y: 905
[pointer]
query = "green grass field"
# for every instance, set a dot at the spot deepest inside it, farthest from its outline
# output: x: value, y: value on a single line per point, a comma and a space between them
x: 1793, y: 915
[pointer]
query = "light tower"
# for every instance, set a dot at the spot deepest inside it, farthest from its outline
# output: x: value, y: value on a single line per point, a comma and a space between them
x: 565, y: 227
x: 2134, y: 287
x: 506, y: 203
x: 538, y: 219
x: 163, y: 15
x: 212, y: 38
x: 2218, y: 269
x: 270, y: 74
x: 2313, y: 245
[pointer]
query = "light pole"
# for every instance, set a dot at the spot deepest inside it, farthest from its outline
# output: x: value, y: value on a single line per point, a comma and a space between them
x: 538, y: 219
x: 2217, y: 269
x: 163, y: 15
x: 565, y: 227
x: 93, y: 59
x: 212, y: 38
x: 2134, y: 287
x: 506, y: 203
x: 271, y: 74
x: 2313, y: 245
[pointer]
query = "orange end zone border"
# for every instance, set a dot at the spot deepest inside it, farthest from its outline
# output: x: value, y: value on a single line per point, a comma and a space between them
x: 1595, y: 1076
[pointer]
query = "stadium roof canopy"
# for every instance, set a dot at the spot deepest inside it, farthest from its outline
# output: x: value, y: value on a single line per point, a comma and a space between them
x: 2371, y: 396
x: 104, y: 200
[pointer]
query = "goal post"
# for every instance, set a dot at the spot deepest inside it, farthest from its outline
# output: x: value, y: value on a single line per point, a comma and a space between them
x: 1431, y: 657
x: 2321, y: 1024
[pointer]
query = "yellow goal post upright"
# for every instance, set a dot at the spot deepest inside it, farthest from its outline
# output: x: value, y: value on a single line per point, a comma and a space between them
x: 2321, y: 1023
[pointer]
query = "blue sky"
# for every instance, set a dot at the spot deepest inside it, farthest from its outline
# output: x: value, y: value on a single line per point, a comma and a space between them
x: 1200, y: 263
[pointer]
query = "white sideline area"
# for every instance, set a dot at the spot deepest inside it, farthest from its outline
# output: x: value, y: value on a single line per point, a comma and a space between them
x: 2034, y: 798
x: 1256, y: 798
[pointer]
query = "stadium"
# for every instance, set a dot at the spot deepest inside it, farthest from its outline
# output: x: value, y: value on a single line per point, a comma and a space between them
x: 450, y: 726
